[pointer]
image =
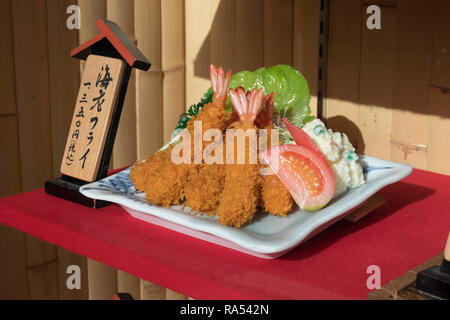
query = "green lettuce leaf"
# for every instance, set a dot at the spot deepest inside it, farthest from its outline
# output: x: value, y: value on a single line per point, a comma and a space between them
x: 290, y: 88
x: 291, y: 95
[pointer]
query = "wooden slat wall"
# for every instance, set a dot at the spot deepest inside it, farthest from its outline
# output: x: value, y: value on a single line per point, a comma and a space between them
x: 341, y: 107
x: 387, y: 89
x: 248, y: 34
x: 440, y: 64
x: 172, y: 63
x: 32, y: 91
x: 376, y: 84
x: 35, y: 131
x: 149, y: 84
x: 278, y: 22
x: 411, y: 93
x: 305, y: 42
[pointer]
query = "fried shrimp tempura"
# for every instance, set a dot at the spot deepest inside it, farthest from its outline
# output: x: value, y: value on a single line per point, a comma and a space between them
x: 241, y: 194
x: 203, y: 188
x: 275, y: 197
x: 213, y: 115
x: 164, y: 184
x: 205, y: 182
x: 240, y: 197
x: 141, y: 170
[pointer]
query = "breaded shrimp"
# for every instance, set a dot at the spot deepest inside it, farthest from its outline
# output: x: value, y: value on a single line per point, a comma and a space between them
x: 240, y: 197
x: 160, y: 178
x: 203, y: 187
x: 205, y: 182
x: 213, y: 115
x: 164, y: 183
x: 275, y: 197
x: 141, y: 169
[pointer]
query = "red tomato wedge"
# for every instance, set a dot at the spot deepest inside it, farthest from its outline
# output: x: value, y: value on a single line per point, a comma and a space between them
x: 303, y: 169
x: 300, y: 137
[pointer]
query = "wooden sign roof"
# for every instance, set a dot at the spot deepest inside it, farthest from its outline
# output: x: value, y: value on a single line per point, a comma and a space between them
x: 111, y: 36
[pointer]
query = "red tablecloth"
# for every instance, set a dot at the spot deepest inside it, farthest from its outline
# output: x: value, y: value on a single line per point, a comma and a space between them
x: 410, y: 228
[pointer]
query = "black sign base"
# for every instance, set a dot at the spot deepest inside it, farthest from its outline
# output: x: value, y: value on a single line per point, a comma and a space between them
x: 67, y: 188
x: 434, y: 282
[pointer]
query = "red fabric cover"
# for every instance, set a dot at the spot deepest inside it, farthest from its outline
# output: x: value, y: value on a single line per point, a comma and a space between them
x: 411, y: 227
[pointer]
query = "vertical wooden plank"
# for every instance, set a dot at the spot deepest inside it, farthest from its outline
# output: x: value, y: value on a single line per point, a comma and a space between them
x: 66, y: 259
x: 125, y: 145
x: 439, y: 117
x: 412, y: 78
x: 441, y: 45
x: 129, y: 283
x: 277, y: 32
x: 10, y: 180
x: 35, y: 136
x: 172, y: 295
x: 376, y: 84
x: 32, y: 87
x: 150, y: 291
x: 249, y: 35
x: 198, y: 16
x: 306, y: 34
x: 172, y: 34
x: 62, y: 93
x: 13, y: 269
x: 91, y: 11
x: 149, y: 84
x: 173, y: 99
x: 341, y: 105
x: 102, y: 280
x: 7, y: 81
x: 173, y: 64
x: 149, y: 113
x: 148, y: 30
x: 223, y: 34
x: 42, y: 269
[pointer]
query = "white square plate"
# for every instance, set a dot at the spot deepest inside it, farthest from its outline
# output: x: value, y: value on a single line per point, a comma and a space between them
x: 267, y: 236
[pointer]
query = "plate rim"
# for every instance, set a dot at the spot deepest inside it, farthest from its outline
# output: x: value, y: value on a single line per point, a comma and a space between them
x: 287, y: 240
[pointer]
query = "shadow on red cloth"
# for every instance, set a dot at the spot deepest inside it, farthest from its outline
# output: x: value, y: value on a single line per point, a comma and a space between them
x: 398, y: 196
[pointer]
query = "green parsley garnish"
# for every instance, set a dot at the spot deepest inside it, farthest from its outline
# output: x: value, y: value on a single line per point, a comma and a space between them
x: 194, y: 109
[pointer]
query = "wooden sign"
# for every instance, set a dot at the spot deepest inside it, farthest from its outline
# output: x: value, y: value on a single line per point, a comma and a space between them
x: 110, y: 57
x: 92, y: 117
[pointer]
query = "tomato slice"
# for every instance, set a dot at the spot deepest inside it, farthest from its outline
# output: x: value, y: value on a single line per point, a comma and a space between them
x: 303, y: 169
x: 300, y: 137
x: 305, y: 173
